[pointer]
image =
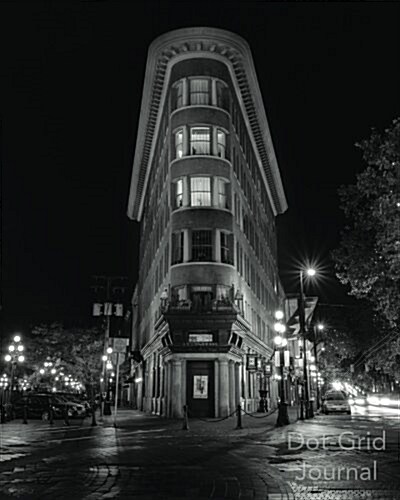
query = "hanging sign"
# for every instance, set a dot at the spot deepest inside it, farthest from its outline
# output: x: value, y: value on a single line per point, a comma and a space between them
x: 120, y: 344
x: 268, y: 369
x: 251, y: 362
x: 287, y: 358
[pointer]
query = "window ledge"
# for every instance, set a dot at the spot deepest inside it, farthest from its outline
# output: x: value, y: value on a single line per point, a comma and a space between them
x: 201, y: 207
x: 214, y: 157
x: 206, y: 106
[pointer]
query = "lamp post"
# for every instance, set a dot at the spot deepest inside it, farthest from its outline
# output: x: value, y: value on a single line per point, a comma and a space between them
x: 318, y: 327
x: 3, y: 387
x: 280, y: 344
x: 14, y: 356
x: 309, y: 413
x: 107, y: 364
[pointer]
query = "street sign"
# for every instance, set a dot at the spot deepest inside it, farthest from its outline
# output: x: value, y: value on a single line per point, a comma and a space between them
x: 120, y: 344
x: 116, y: 357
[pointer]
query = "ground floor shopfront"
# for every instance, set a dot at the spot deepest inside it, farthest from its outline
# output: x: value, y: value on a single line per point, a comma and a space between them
x: 202, y: 362
x: 210, y: 386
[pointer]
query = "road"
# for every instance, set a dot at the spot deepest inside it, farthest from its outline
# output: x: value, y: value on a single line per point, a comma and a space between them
x: 151, y: 458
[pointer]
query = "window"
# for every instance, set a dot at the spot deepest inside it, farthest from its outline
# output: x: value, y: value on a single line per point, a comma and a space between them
x: 179, y: 94
x: 177, y: 247
x: 178, y: 193
x: 223, y: 292
x: 201, y: 297
x: 222, y: 96
x: 202, y: 246
x: 200, y: 191
x: 200, y: 141
x: 226, y: 248
x: 199, y: 91
x: 221, y: 144
x: 178, y: 293
x: 222, y: 199
x: 179, y: 144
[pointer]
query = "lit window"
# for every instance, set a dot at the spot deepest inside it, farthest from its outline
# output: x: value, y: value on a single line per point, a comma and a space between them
x: 200, y: 141
x: 226, y: 247
x: 179, y: 144
x: 222, y: 199
x: 200, y: 191
x: 178, y: 193
x: 223, y: 292
x: 202, y: 245
x: 199, y: 91
x: 221, y: 144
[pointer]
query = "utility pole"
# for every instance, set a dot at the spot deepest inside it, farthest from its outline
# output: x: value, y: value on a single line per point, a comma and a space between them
x: 109, y: 292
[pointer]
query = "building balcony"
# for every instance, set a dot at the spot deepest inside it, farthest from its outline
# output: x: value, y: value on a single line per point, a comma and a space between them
x: 217, y: 305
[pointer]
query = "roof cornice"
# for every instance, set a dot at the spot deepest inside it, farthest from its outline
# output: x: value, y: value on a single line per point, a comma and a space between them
x: 234, y: 51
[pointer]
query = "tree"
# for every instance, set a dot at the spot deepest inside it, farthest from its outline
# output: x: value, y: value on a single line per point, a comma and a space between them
x: 368, y: 257
x: 77, y: 350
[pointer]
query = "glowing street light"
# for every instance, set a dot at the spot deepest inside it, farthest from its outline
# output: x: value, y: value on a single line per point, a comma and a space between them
x: 14, y: 357
x: 309, y: 412
x: 280, y: 343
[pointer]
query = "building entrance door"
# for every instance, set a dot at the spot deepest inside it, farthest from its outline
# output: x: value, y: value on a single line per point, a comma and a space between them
x: 200, y: 388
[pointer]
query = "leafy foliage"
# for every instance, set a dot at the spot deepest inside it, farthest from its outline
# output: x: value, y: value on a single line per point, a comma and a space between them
x: 368, y: 258
x: 77, y: 350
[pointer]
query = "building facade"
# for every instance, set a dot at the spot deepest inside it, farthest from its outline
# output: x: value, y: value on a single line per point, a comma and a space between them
x: 206, y: 190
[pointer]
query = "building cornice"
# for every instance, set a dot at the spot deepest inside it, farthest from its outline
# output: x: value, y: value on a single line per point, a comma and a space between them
x: 234, y: 51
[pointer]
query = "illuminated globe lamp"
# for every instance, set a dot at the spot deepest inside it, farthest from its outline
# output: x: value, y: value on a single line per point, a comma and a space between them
x: 14, y: 357
x: 107, y: 366
x: 3, y: 387
x: 280, y: 344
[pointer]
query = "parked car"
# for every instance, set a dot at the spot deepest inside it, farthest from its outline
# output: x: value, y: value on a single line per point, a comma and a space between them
x: 75, y: 409
x: 37, y: 406
x: 336, y: 401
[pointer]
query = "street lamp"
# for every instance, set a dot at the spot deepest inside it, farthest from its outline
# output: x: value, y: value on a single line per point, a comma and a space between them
x: 320, y: 327
x: 14, y: 357
x: 280, y: 344
x: 309, y: 413
x: 3, y: 387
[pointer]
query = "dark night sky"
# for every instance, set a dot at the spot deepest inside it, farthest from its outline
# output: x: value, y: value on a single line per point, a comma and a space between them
x: 71, y: 78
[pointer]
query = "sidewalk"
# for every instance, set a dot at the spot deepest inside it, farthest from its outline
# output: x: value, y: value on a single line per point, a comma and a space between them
x: 251, y: 424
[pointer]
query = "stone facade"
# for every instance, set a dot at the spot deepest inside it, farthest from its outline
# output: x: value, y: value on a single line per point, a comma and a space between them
x: 206, y: 189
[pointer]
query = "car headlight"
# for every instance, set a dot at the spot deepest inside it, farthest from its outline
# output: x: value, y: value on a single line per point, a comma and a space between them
x: 373, y: 400
x: 351, y: 402
x: 385, y: 401
x: 359, y: 401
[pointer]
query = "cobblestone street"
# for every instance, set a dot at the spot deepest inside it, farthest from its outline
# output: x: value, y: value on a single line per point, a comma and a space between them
x: 147, y: 457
